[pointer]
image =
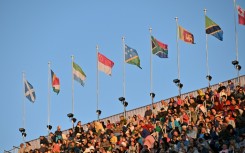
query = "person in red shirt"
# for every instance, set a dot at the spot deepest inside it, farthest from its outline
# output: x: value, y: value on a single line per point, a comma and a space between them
x: 233, y: 104
x: 217, y: 106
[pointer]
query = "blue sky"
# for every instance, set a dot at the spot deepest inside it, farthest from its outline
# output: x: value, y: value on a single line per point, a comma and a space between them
x: 32, y: 33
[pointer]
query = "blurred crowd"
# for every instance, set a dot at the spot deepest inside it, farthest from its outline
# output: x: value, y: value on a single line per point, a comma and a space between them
x: 211, y: 122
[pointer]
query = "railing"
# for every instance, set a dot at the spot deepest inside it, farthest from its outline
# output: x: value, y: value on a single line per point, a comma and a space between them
x: 138, y: 111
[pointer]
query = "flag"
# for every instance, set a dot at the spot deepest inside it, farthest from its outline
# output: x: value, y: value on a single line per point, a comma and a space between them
x: 213, y: 29
x: 55, y: 82
x: 104, y: 64
x: 241, y: 15
x: 78, y: 73
x: 29, y: 91
x: 159, y: 48
x: 186, y: 36
x: 131, y: 56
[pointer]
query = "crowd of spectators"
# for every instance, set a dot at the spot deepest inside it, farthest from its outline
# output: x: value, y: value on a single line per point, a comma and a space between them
x: 211, y: 122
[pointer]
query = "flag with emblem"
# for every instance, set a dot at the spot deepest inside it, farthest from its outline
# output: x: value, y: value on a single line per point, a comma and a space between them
x: 158, y: 48
x: 104, y: 64
x: 186, y: 36
x: 213, y: 29
x: 241, y: 15
x: 29, y: 91
x: 131, y: 56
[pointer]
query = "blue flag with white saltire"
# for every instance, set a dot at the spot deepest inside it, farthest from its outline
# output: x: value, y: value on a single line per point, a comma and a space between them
x: 29, y: 91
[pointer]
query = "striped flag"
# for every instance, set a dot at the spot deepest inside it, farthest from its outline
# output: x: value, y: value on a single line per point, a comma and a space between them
x: 29, y: 91
x: 104, y: 64
x: 186, y: 36
x: 213, y: 29
x: 78, y: 73
x: 55, y: 82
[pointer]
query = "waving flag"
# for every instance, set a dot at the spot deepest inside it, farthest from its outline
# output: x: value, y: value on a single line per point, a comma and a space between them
x: 213, y: 29
x: 159, y: 48
x: 78, y: 73
x: 186, y: 36
x: 29, y: 91
x: 131, y: 56
x: 241, y: 15
x: 55, y: 82
x: 104, y: 64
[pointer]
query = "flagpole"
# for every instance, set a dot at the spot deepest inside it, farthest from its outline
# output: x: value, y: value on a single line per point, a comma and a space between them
x: 178, y: 58
x: 49, y: 82
x: 24, y: 113
x: 208, y: 76
x: 97, y: 78
x: 152, y: 98
x: 123, y: 42
x: 72, y: 98
x: 236, y: 39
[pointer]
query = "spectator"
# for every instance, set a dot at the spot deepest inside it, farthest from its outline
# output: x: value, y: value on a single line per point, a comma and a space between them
x: 230, y: 85
x: 43, y: 148
x: 113, y: 138
x: 240, y: 94
x: 22, y: 148
x: 58, y: 134
x: 154, y: 112
x: 51, y: 137
x: 224, y: 149
x: 105, y: 143
x: 27, y: 148
x: 98, y: 127
x: 179, y: 101
x: 148, y: 112
x: 122, y: 121
x: 109, y: 125
x: 78, y: 128
x: 43, y: 140
x: 132, y: 148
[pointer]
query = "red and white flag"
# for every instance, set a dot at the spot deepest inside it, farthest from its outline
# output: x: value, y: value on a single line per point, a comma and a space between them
x: 104, y: 64
x: 241, y: 15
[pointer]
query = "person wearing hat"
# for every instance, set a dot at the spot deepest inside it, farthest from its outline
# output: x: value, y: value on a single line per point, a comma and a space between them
x: 28, y: 147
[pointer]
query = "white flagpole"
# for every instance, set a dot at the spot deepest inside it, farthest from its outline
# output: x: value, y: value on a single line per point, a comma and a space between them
x: 124, y: 82
x: 236, y: 39
x: 24, y: 111
x: 151, y: 79
x: 97, y: 78
x: 151, y: 64
x: 205, y: 12
x: 178, y: 56
x: 49, y: 82
x: 72, y: 99
x: 123, y: 42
